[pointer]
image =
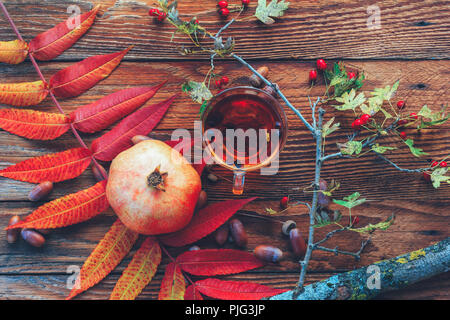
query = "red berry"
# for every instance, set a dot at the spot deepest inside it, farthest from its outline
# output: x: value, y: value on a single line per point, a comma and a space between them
x: 218, y: 84
x: 365, y: 118
x: 355, y: 221
x: 284, y: 202
x: 153, y: 12
x: 225, y: 80
x: 434, y: 164
x: 356, y: 125
x: 223, y: 4
x: 351, y: 75
x: 427, y: 176
x: 401, y: 104
x: 402, y: 122
x: 403, y: 135
x: 413, y: 115
x: 196, y: 21
x: 162, y: 16
x: 313, y: 75
x: 224, y: 12
x: 443, y: 164
x: 321, y: 64
x: 245, y: 2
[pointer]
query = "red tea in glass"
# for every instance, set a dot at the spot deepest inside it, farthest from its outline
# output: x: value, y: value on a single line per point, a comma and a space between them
x: 253, y: 130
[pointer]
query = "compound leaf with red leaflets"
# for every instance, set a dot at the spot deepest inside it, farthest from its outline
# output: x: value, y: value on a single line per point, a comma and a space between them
x: 54, y: 167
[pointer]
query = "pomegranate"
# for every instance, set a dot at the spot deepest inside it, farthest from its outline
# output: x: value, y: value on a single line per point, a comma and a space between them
x: 152, y: 188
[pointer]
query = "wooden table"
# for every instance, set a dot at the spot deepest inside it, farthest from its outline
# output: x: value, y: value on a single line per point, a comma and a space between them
x: 413, y: 44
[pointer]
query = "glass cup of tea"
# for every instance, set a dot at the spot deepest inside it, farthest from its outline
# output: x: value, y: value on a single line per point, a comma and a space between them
x: 244, y: 129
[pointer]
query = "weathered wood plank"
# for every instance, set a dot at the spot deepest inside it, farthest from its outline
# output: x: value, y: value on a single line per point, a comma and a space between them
x: 331, y: 29
x: 417, y: 225
x: 54, y: 287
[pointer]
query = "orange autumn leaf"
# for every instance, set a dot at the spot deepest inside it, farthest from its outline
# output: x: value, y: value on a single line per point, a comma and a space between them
x: 173, y: 284
x: 54, y: 167
x: 32, y: 124
x: 13, y: 52
x: 53, y: 42
x: 110, y: 251
x: 68, y: 210
x: 80, y: 77
x: 23, y: 94
x: 139, y: 272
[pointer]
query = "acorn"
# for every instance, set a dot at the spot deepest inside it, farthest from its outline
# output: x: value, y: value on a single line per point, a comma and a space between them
x: 238, y: 233
x: 268, y: 253
x: 255, y: 80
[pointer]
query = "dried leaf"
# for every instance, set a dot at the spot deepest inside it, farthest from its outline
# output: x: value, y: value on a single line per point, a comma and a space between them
x: 80, y: 77
x: 102, y: 113
x: 139, y: 271
x: 32, y: 124
x: 211, y: 262
x: 23, y: 94
x: 173, y: 285
x: 68, y: 210
x: 114, y: 246
x: 53, y: 42
x: 141, y: 122
x: 204, y: 222
x: 13, y: 52
x: 54, y: 167
x: 235, y: 290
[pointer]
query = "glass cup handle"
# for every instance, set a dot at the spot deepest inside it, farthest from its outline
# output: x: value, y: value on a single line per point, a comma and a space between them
x: 238, y: 182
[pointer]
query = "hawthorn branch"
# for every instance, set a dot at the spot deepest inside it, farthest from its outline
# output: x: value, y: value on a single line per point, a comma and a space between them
x: 393, y: 274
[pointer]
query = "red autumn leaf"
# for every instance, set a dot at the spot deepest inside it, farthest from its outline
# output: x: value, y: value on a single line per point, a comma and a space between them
x: 34, y: 124
x: 141, y: 122
x: 114, y: 246
x: 192, y: 293
x: 173, y: 285
x: 235, y: 290
x: 211, y: 262
x: 204, y: 222
x: 68, y: 210
x: 54, y: 167
x: 53, y: 42
x: 80, y: 77
x: 104, y: 112
x: 23, y: 94
x: 13, y: 52
x: 139, y: 272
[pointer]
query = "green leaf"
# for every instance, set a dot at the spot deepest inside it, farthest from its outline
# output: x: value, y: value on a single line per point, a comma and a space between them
x: 381, y: 149
x: 436, y: 118
x: 197, y: 90
x: 384, y: 225
x: 271, y: 211
x: 417, y: 152
x: 438, y: 176
x: 275, y: 9
x: 350, y: 100
x: 386, y: 93
x: 329, y: 127
x: 350, y: 201
x: 350, y: 147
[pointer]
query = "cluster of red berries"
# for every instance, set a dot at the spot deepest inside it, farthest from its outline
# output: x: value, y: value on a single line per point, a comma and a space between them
x: 223, y: 7
x: 322, y: 65
x: 222, y: 82
x: 442, y: 164
x: 358, y: 123
x: 157, y: 13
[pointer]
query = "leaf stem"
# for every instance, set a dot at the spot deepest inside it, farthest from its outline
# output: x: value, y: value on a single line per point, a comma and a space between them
x: 41, y: 76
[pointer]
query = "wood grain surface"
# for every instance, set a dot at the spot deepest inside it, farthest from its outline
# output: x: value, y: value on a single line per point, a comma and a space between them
x: 412, y: 45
